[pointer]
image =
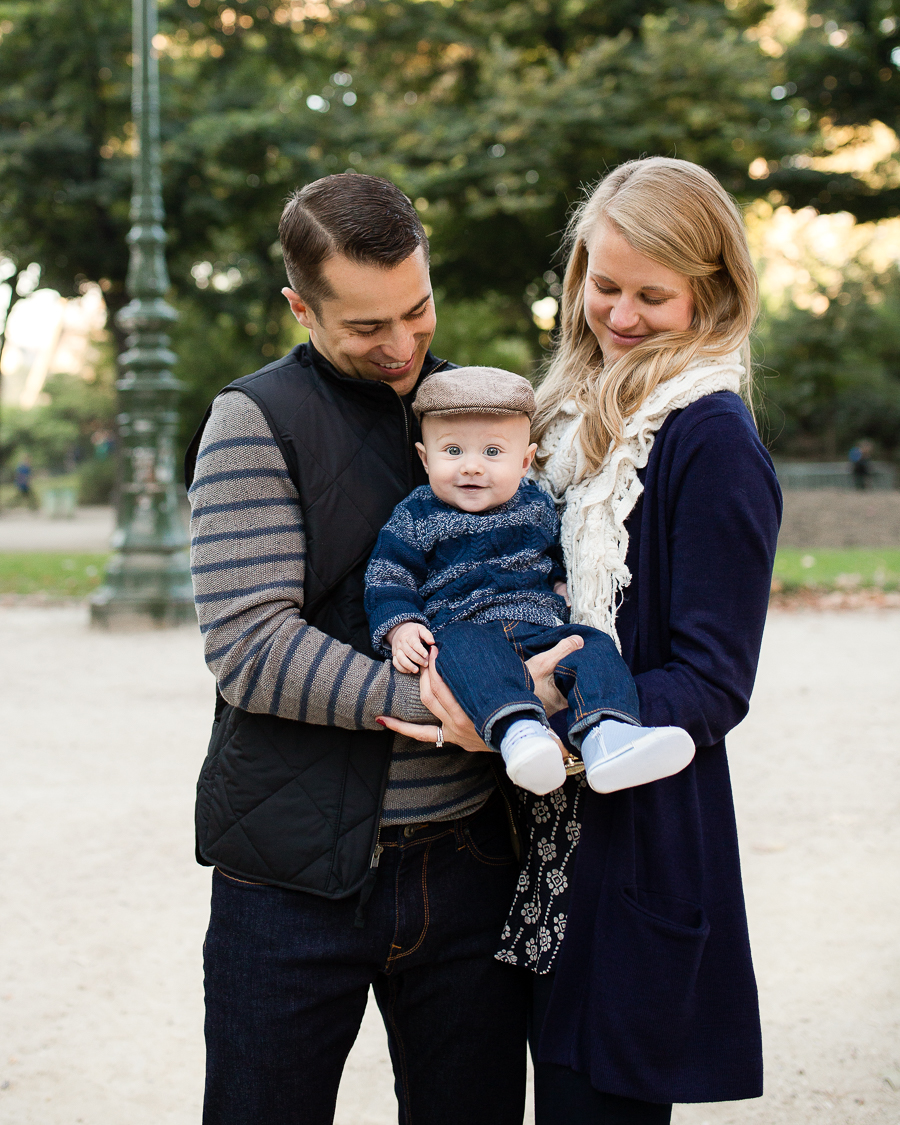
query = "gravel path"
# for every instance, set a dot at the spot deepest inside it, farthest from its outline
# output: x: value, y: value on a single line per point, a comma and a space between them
x: 88, y: 530
x: 103, y: 908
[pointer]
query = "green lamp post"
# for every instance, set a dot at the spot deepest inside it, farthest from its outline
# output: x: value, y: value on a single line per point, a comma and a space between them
x: 147, y: 582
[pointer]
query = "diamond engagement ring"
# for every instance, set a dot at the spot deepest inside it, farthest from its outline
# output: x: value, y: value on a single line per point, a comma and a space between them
x: 439, y: 741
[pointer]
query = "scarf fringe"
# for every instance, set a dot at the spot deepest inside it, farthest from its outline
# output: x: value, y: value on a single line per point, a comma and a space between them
x: 594, y: 539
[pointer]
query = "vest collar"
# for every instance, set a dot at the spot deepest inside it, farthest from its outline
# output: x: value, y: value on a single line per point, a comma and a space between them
x: 307, y: 355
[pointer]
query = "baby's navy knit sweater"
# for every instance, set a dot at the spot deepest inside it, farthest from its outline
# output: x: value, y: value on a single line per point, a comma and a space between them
x: 436, y: 564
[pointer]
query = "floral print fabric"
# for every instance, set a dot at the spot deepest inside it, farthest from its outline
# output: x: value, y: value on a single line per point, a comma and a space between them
x: 534, y: 930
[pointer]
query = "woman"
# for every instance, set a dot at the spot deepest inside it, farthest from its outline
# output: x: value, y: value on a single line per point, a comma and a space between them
x: 644, y: 992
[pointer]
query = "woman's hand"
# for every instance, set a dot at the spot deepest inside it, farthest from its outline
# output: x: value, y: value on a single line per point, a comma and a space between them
x: 456, y: 726
x: 543, y: 665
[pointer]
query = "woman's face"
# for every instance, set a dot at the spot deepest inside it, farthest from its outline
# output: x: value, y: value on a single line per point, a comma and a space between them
x: 628, y: 297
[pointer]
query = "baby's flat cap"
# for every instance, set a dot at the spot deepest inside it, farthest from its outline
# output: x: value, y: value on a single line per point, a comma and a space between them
x: 474, y: 390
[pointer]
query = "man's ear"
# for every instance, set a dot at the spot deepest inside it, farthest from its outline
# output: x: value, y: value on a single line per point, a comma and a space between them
x: 299, y: 308
x: 420, y: 449
x: 529, y: 457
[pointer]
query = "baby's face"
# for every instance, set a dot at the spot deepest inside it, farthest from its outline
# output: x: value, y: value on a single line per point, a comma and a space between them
x: 476, y: 461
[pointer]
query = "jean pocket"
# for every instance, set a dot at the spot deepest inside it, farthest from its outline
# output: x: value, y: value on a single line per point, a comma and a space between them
x: 653, y: 948
x: 488, y: 841
x: 234, y: 879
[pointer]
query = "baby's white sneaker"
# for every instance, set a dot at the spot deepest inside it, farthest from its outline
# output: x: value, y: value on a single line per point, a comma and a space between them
x: 532, y: 756
x: 619, y: 756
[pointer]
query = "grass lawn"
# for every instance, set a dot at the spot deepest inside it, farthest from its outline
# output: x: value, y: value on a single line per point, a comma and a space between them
x: 838, y: 569
x: 54, y: 573
x: 67, y: 574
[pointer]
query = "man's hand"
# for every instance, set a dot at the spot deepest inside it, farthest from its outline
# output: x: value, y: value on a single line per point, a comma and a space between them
x: 543, y: 665
x: 409, y: 643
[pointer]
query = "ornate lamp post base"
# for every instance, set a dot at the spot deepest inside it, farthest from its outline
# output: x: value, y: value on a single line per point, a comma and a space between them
x: 144, y: 592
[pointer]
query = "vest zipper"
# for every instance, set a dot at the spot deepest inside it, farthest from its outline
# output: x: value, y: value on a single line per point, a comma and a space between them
x: 409, y: 446
x: 365, y: 891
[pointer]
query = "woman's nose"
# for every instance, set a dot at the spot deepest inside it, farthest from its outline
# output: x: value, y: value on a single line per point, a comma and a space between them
x: 624, y: 313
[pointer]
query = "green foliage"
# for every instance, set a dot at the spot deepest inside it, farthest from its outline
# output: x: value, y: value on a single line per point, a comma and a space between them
x: 66, y: 91
x: 832, y: 379
x: 496, y: 124
x: 492, y: 113
x: 59, y: 434
x: 97, y: 480
x: 218, y: 337
x: 842, y: 71
x: 491, y: 331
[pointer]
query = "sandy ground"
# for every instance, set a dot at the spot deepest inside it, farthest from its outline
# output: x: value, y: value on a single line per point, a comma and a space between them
x: 102, y: 909
x: 820, y: 518
x: 88, y: 530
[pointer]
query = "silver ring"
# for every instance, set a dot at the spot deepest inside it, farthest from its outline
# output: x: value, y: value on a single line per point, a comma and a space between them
x: 439, y: 741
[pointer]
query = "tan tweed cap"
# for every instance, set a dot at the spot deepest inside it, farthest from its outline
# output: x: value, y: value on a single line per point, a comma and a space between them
x: 474, y: 390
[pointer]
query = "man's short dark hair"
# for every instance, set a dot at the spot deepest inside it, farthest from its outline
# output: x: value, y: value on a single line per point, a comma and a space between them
x: 365, y: 218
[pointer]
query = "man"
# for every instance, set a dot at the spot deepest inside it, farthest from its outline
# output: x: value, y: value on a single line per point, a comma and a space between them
x: 344, y: 857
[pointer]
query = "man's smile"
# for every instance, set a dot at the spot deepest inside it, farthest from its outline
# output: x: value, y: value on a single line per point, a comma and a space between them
x: 395, y: 365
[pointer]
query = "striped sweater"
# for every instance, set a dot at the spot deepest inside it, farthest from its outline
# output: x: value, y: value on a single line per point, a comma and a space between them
x: 247, y: 564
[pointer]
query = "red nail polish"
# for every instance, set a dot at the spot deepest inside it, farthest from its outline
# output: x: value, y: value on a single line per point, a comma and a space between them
x: 380, y: 722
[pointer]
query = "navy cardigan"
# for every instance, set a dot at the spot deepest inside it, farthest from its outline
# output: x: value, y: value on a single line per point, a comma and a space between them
x: 654, y: 995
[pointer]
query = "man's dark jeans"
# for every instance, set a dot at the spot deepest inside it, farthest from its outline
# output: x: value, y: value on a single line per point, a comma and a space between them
x: 483, y: 665
x: 288, y: 973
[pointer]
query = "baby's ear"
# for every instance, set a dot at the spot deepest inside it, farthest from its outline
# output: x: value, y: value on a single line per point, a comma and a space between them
x: 420, y: 449
x: 529, y: 457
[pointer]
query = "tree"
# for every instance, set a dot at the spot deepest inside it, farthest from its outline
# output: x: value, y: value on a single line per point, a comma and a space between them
x: 63, y: 204
x: 495, y: 115
x: 843, y: 69
x: 834, y: 377
x: 229, y: 107
x: 490, y: 114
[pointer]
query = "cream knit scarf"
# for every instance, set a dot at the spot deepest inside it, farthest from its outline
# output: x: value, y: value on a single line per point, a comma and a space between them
x: 596, y: 507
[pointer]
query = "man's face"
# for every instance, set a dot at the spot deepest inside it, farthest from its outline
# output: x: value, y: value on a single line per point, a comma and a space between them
x: 379, y: 323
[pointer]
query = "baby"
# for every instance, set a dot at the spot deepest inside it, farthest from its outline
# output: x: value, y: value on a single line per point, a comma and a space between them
x: 471, y: 562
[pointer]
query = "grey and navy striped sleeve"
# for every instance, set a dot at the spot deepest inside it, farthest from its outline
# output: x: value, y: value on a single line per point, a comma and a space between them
x: 247, y: 564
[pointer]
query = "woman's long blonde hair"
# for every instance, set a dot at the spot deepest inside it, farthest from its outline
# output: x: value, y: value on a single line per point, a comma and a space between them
x: 678, y: 215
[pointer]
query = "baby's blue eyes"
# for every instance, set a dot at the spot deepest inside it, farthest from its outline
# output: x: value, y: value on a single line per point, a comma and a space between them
x: 455, y: 451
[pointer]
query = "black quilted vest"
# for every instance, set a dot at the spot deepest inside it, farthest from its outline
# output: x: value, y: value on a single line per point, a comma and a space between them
x: 278, y: 801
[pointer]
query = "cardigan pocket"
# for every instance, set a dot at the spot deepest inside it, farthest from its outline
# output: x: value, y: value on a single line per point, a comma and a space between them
x: 650, y: 971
